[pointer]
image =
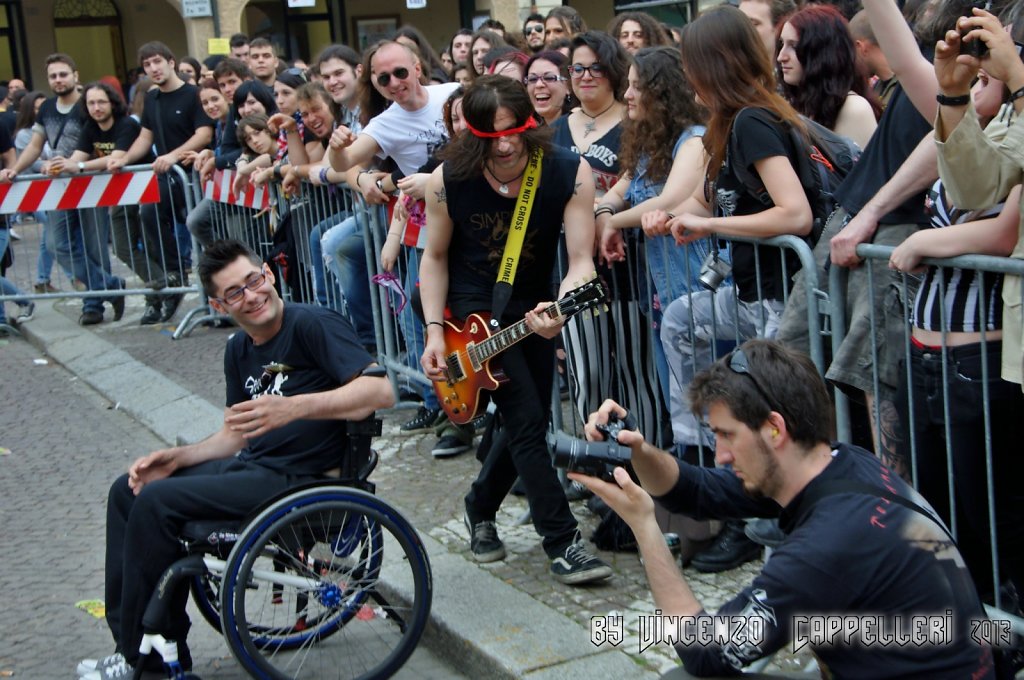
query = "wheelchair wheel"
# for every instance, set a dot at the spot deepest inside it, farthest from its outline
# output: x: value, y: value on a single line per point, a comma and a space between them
x: 307, y: 591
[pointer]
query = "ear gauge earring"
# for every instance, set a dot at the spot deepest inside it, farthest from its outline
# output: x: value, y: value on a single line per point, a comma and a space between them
x: 775, y: 432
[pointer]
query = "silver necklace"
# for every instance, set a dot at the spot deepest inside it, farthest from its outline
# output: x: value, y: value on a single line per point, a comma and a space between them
x: 591, y: 124
x: 503, y: 185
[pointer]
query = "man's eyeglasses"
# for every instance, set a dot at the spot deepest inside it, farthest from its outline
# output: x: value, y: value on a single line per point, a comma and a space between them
x: 232, y: 296
x: 739, y: 363
x: 595, y: 70
x: 549, y: 78
x: 384, y: 79
x: 536, y: 28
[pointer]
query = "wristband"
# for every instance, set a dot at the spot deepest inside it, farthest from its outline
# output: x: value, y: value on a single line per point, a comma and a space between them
x: 959, y: 100
x: 435, y: 323
x: 1015, y: 95
x: 603, y: 209
x: 323, y: 175
x: 277, y: 172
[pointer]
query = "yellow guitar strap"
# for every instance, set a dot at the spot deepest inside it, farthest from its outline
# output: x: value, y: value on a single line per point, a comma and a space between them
x: 520, y: 219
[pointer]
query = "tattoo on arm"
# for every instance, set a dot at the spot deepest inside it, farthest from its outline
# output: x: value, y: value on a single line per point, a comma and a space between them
x: 576, y: 189
x: 442, y: 197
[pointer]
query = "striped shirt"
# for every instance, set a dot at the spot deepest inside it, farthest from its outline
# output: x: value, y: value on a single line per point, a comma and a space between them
x: 959, y: 299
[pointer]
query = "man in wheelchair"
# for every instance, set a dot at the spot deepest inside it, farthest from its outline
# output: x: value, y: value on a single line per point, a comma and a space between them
x: 293, y: 372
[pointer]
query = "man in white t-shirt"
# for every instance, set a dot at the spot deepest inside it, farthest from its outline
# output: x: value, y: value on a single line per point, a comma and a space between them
x: 410, y: 129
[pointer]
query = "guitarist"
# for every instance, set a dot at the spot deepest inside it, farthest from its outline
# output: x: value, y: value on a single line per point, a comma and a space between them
x: 472, y: 202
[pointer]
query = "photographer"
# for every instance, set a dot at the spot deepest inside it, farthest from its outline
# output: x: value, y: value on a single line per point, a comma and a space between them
x: 859, y: 540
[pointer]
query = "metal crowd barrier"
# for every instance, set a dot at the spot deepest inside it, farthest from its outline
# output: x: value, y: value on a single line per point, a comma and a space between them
x: 875, y: 261
x: 97, y: 235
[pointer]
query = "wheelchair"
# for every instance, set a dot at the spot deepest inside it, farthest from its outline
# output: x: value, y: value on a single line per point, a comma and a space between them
x: 301, y: 588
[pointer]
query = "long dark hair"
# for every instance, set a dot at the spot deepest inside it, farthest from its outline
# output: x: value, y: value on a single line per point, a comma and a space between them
x: 669, y: 109
x: 827, y: 55
x: 654, y: 32
x: 260, y: 92
x: 730, y: 70
x: 466, y: 154
x: 561, y: 62
x: 117, y: 106
x: 27, y: 110
x: 610, y: 55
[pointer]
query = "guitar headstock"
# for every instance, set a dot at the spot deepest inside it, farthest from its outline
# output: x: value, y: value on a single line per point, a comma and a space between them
x: 589, y: 295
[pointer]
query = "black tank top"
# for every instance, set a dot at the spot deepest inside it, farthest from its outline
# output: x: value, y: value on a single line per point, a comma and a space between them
x: 481, y: 218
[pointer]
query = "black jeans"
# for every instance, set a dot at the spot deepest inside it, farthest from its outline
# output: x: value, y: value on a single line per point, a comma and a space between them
x: 143, y: 530
x: 158, y: 228
x: 964, y: 392
x: 525, y: 404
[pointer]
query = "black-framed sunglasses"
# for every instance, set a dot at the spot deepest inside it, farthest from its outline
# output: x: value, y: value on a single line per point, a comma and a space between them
x: 384, y: 79
x: 739, y: 363
x: 549, y: 78
x: 232, y: 296
x: 536, y: 28
x: 595, y: 70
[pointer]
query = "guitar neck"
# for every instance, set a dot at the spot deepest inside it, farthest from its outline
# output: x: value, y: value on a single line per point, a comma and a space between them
x: 507, y: 337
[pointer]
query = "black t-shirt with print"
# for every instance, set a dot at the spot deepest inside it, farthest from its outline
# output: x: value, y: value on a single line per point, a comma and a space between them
x: 61, y: 130
x: 100, y: 143
x: 757, y: 134
x: 602, y: 155
x: 173, y: 117
x: 849, y: 553
x: 316, y: 350
x: 482, y: 218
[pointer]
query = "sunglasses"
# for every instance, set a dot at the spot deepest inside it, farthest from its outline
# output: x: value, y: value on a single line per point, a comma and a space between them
x: 232, y: 296
x: 400, y: 73
x: 595, y: 70
x: 537, y: 28
x: 739, y: 363
x: 549, y: 78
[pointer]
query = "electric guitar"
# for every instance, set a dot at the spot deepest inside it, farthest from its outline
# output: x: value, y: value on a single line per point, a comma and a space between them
x: 471, y: 346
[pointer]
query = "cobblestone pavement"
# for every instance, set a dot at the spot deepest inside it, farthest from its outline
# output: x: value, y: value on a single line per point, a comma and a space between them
x: 61, y: 443
x: 430, y: 491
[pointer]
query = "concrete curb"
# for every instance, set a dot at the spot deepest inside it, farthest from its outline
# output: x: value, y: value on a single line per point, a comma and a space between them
x: 479, y: 624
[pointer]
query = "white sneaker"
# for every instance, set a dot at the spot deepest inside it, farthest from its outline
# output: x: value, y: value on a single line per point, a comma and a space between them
x: 87, y: 666
x: 121, y: 670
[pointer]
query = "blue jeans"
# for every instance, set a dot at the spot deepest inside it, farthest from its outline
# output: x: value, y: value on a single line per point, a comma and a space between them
x: 78, y: 239
x: 326, y: 290
x: 345, y: 253
x: 6, y: 287
x: 673, y: 270
x: 412, y: 327
x: 44, y: 262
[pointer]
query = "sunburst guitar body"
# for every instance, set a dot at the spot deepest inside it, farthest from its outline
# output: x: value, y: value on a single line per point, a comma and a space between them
x: 470, y: 349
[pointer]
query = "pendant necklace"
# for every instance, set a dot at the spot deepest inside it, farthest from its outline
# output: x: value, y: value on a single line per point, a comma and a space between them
x: 591, y: 124
x: 503, y: 185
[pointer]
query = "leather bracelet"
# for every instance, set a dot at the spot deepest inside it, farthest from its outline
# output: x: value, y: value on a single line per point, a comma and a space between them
x: 1015, y: 95
x: 602, y: 209
x: 435, y: 323
x: 959, y: 100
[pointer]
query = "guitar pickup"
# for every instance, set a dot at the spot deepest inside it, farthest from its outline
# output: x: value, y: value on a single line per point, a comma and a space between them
x: 454, y: 368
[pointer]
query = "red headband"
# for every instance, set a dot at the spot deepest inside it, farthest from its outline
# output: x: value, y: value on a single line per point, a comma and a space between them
x: 530, y: 124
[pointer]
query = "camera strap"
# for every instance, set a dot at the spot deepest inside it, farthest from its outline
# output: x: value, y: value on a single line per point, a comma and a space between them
x: 516, y: 237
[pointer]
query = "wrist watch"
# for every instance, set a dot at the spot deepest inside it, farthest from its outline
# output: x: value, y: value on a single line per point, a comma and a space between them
x: 81, y: 166
x: 380, y: 184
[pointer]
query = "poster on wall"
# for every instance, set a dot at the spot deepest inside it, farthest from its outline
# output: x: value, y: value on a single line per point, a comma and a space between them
x: 369, y: 30
x: 302, y: 3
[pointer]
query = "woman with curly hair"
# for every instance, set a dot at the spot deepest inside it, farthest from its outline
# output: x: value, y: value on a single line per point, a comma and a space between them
x: 817, y: 65
x: 663, y: 161
x: 637, y: 30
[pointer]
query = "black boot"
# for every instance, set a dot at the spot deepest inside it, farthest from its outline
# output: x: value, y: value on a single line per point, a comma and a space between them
x: 152, y: 313
x: 169, y: 305
x: 730, y: 549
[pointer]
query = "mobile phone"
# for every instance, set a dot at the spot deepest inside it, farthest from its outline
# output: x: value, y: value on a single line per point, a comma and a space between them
x: 975, y: 48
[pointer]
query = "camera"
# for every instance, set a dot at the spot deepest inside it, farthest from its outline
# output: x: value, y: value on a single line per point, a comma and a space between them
x: 975, y: 48
x: 714, y: 270
x: 597, y: 459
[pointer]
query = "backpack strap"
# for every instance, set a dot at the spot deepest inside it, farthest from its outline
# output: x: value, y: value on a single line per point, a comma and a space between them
x: 832, y: 487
